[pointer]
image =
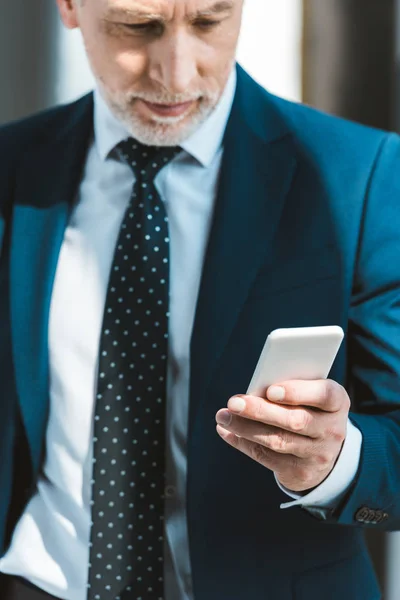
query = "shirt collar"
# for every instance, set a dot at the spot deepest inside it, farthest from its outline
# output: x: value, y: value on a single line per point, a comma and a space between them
x: 203, y: 144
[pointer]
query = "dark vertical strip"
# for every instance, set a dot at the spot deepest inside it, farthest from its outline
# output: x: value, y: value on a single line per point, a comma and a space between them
x: 28, y: 55
x: 349, y: 50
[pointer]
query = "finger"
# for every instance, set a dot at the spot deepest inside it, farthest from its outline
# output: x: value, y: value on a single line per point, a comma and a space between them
x: 297, y: 419
x: 278, y: 440
x: 293, y: 472
x: 261, y: 454
x: 324, y: 394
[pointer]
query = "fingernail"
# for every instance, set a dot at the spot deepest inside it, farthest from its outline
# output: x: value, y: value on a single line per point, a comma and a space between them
x: 236, y: 404
x: 276, y: 393
x: 224, y: 418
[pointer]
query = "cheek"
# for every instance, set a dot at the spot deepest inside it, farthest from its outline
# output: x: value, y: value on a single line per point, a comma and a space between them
x: 215, y: 56
x: 131, y: 63
x: 220, y: 53
x: 113, y: 64
x: 217, y: 65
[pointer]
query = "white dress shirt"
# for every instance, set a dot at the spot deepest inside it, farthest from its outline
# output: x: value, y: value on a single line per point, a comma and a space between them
x: 50, y: 544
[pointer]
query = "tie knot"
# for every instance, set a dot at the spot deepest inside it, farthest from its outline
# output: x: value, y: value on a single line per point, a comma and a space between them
x: 146, y: 161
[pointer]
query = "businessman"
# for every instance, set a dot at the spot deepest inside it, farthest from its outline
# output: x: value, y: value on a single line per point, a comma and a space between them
x: 152, y: 235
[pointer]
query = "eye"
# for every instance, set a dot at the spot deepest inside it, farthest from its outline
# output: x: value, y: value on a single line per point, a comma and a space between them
x: 206, y: 24
x: 150, y: 27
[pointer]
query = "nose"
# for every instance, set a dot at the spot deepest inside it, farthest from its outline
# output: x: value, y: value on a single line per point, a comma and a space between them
x: 173, y: 64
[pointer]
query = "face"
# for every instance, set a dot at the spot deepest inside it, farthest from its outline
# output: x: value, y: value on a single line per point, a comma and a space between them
x: 161, y: 65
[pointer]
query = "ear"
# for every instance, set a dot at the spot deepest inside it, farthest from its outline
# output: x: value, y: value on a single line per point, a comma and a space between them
x: 68, y: 12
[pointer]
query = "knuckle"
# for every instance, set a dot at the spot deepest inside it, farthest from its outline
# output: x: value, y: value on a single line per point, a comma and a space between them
x: 309, y: 451
x: 323, y: 459
x: 305, y: 476
x: 259, y: 410
x: 336, y: 396
x: 278, y: 442
x: 339, y: 435
x: 259, y: 453
x: 335, y: 433
x: 298, y: 420
x: 330, y: 389
x: 293, y: 392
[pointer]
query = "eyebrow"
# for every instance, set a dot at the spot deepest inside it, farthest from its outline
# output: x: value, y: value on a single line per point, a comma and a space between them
x: 135, y: 13
x: 220, y: 7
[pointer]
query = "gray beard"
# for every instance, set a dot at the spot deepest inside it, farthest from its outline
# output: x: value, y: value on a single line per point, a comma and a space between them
x: 161, y: 133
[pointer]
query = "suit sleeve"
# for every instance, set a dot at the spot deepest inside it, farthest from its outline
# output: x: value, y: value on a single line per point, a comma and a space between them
x: 374, y: 352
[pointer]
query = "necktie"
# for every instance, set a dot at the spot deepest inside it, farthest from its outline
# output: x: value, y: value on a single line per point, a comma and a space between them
x: 127, y: 505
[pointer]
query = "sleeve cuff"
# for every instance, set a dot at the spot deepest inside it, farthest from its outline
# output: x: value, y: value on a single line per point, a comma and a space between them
x: 335, y: 486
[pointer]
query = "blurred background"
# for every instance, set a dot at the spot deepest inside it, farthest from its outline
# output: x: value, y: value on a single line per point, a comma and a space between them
x: 342, y: 56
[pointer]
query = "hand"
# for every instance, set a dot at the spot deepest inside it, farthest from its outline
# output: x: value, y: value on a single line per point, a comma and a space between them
x: 297, y: 432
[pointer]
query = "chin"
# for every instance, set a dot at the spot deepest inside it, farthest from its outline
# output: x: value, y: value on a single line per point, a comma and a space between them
x: 157, y: 134
x: 163, y: 132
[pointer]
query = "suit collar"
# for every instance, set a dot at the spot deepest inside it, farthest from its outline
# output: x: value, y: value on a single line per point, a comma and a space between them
x: 255, y: 109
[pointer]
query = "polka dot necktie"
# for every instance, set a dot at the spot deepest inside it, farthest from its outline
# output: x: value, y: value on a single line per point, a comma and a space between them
x: 127, y: 529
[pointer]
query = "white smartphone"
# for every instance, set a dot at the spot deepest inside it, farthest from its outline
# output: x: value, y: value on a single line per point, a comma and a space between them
x: 296, y: 353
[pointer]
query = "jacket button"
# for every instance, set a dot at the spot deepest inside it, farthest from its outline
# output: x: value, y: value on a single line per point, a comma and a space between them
x: 381, y: 516
x: 362, y: 515
x: 370, y: 517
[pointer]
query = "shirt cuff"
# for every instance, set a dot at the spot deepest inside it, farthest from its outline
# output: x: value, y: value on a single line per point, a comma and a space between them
x: 335, y: 486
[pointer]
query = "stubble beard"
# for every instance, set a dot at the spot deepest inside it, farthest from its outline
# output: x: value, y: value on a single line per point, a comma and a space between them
x: 159, y: 130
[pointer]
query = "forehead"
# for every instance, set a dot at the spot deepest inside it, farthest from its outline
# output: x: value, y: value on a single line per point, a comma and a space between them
x: 171, y: 8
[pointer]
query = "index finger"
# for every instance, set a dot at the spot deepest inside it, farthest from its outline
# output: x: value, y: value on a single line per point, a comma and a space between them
x: 324, y: 394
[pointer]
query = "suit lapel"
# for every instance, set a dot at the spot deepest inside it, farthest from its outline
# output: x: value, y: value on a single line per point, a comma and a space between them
x: 258, y: 167
x: 47, y: 183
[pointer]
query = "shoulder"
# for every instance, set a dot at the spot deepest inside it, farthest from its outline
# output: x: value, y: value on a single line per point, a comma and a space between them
x: 329, y: 141
x: 325, y: 143
x: 21, y: 140
x: 19, y: 137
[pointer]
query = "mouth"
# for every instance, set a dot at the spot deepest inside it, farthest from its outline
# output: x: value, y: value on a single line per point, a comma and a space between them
x: 169, y: 110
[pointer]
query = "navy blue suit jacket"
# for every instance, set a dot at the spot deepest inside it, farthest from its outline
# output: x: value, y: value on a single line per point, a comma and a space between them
x: 306, y: 232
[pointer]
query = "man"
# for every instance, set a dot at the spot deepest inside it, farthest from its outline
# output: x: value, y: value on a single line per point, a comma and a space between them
x: 152, y: 236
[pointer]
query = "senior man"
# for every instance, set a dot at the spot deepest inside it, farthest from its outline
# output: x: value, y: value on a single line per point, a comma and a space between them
x: 152, y: 235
